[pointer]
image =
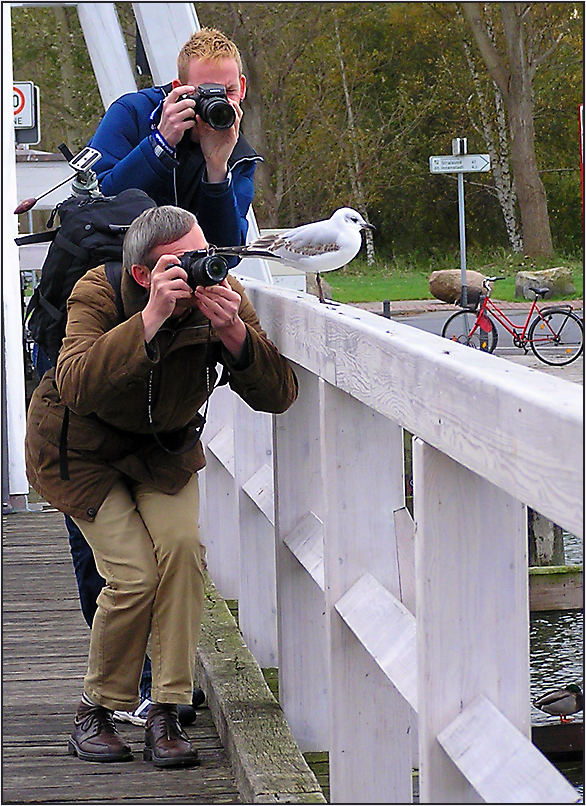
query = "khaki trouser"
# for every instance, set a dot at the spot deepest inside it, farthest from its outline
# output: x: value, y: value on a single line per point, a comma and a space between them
x: 146, y: 546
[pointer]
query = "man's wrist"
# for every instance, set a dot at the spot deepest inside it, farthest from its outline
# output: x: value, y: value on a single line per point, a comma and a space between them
x: 233, y: 338
x: 216, y: 174
x: 151, y: 322
x: 219, y: 187
x: 164, y: 152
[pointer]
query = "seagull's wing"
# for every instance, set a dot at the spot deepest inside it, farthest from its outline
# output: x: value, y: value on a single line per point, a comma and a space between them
x: 318, y: 247
x: 242, y: 251
x: 306, y: 241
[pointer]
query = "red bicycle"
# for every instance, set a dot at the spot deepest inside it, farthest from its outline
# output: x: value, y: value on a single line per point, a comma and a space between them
x: 555, y: 335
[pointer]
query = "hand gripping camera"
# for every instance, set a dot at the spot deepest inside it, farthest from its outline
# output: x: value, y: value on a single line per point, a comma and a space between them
x: 203, y: 270
x: 211, y: 104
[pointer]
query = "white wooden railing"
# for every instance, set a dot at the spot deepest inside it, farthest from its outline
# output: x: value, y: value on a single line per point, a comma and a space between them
x: 385, y: 630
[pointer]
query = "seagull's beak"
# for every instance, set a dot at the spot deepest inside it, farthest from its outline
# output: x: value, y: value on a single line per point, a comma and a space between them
x: 368, y: 226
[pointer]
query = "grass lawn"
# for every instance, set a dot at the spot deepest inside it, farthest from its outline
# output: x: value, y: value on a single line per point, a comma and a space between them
x: 402, y: 279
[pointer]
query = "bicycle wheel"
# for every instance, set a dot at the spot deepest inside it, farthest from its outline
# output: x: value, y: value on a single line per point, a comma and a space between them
x: 462, y: 328
x: 557, y: 336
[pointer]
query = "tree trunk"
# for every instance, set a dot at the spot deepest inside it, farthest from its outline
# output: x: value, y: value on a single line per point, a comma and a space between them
x: 494, y: 133
x: 530, y: 191
x: 504, y: 182
x: 253, y: 123
x: 515, y: 83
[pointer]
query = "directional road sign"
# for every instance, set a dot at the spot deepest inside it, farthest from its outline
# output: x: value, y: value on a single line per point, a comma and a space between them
x: 464, y: 164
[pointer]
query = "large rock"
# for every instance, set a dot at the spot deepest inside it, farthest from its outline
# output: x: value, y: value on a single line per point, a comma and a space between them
x: 447, y: 285
x: 559, y: 281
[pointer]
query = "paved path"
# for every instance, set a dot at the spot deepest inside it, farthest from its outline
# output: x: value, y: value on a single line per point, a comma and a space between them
x: 411, y: 309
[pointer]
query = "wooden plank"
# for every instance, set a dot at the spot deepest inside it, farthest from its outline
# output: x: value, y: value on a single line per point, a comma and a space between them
x: 386, y: 629
x: 405, y: 532
x: 556, y: 588
x: 220, y: 527
x: 303, y: 687
x: 44, y: 659
x: 259, y: 488
x: 306, y: 542
x: 560, y: 741
x: 253, y: 447
x: 269, y: 767
x: 472, y: 608
x: 222, y: 446
x: 362, y: 461
x: 427, y: 386
x: 500, y: 762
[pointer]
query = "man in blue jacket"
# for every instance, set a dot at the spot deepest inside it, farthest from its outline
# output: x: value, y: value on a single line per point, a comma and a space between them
x: 151, y: 140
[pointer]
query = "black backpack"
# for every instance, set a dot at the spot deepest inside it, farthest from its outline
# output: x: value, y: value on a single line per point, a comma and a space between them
x: 90, y: 234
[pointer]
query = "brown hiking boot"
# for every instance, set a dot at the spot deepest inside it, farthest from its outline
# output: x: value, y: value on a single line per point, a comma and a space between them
x: 95, y: 737
x: 166, y: 743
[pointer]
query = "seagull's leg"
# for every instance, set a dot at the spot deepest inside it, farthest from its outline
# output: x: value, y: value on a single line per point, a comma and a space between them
x: 321, y: 293
x: 319, y: 288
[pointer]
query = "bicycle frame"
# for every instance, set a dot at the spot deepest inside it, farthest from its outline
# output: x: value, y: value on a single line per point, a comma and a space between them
x: 554, y: 333
x: 519, y: 335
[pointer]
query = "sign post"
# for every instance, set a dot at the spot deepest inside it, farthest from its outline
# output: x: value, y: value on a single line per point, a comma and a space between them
x: 460, y: 163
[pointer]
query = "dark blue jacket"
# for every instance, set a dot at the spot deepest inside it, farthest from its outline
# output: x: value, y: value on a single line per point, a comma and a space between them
x: 129, y: 160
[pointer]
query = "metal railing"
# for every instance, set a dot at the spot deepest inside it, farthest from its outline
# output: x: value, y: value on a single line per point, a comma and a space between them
x: 400, y: 641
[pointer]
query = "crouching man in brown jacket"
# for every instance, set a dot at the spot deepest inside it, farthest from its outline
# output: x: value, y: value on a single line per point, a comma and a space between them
x: 112, y: 440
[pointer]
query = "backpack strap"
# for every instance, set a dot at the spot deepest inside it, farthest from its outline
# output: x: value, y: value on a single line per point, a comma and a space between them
x: 63, y: 459
x: 114, y: 275
x: 77, y: 251
x: 36, y: 237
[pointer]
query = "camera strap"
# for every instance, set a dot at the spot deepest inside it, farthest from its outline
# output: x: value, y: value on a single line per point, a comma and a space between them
x: 209, y: 363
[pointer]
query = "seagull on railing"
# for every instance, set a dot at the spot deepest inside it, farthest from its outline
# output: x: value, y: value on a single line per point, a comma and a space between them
x: 317, y: 247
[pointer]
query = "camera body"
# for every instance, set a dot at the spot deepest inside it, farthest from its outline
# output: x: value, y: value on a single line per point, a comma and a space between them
x: 211, y: 104
x: 203, y: 270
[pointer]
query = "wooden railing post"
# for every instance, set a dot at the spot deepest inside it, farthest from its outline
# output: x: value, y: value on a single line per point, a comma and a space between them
x: 362, y: 461
x: 219, y: 497
x: 303, y: 690
x: 253, y: 470
x: 472, y: 609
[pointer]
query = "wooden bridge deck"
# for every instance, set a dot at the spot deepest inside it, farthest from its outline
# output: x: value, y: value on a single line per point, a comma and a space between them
x: 45, y: 641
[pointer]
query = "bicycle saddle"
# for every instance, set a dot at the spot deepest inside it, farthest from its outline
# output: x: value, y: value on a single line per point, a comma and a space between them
x: 540, y: 292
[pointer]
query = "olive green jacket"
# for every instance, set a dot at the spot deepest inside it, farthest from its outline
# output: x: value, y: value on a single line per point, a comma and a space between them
x: 102, y: 377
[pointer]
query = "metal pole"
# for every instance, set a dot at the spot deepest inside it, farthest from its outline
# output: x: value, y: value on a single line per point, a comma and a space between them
x: 12, y: 353
x: 462, y: 220
x: 6, y: 508
x: 459, y: 149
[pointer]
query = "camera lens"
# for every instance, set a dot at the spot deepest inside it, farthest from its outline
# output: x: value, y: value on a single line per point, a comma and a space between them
x: 206, y: 271
x: 219, y: 114
x: 215, y: 268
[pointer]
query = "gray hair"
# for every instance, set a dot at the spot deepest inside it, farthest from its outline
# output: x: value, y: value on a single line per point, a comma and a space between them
x: 153, y: 227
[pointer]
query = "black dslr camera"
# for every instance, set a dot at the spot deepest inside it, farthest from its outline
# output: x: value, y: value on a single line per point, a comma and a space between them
x: 203, y: 270
x: 211, y: 104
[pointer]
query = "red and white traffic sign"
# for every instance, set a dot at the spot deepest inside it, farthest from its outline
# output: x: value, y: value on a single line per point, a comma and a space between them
x: 23, y: 102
